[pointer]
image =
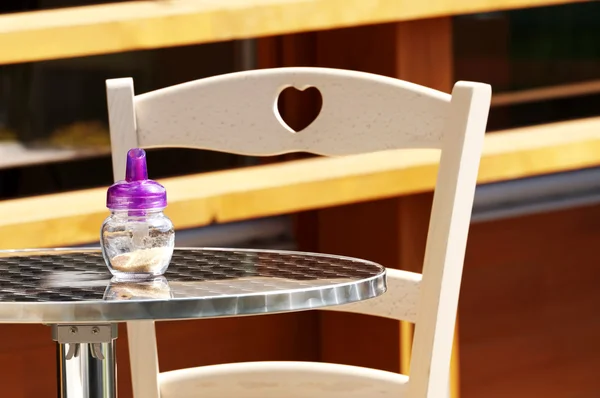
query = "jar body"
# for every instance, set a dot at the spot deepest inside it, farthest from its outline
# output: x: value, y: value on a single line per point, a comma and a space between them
x: 137, y: 244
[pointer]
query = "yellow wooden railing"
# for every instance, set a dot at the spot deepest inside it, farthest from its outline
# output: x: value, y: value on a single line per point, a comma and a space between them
x: 196, y: 200
x: 134, y: 25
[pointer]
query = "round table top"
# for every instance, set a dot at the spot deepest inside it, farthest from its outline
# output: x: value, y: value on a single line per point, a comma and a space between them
x: 66, y: 286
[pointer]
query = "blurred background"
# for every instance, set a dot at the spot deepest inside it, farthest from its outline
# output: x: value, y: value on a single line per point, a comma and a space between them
x: 527, y: 317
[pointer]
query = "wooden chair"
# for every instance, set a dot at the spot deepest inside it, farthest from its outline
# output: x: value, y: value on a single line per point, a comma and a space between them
x: 360, y: 113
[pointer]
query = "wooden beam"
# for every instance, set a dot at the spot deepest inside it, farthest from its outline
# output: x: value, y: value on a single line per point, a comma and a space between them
x: 547, y: 93
x: 135, y: 25
x: 424, y: 55
x: 196, y: 200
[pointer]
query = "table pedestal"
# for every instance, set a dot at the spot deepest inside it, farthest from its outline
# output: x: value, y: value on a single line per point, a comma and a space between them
x: 86, y: 360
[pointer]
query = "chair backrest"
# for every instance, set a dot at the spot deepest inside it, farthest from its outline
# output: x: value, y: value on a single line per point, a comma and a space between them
x: 237, y: 113
x: 360, y: 113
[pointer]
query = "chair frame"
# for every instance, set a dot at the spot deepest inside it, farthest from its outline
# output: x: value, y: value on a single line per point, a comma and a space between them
x: 361, y: 113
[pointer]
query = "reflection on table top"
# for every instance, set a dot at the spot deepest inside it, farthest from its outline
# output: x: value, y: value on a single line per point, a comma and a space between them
x: 73, y: 286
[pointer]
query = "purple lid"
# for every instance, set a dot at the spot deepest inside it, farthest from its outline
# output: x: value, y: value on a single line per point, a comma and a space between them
x: 136, y: 192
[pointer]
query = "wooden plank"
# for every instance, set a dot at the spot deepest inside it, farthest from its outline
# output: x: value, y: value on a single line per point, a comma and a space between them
x: 73, y: 217
x: 145, y: 24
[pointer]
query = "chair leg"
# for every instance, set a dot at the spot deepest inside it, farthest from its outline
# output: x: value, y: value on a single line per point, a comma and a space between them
x: 143, y: 358
x: 406, y: 337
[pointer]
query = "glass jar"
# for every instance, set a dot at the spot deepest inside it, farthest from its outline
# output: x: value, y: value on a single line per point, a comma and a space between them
x: 137, y: 244
x: 137, y: 239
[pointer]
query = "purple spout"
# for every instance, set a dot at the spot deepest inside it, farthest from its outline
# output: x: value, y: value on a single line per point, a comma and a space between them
x: 136, y: 192
x: 136, y: 165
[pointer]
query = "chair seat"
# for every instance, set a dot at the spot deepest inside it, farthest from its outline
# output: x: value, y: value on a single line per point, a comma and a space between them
x: 281, y: 379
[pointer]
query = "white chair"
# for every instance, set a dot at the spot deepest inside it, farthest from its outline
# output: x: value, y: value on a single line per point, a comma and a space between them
x: 360, y: 113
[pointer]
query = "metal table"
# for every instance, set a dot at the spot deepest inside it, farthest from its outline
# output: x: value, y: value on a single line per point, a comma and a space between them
x: 72, y: 290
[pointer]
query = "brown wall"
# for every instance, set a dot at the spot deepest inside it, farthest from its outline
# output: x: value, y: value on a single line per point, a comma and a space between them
x: 529, y: 307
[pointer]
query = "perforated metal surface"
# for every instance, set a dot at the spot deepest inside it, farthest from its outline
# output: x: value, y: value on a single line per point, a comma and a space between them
x: 66, y: 286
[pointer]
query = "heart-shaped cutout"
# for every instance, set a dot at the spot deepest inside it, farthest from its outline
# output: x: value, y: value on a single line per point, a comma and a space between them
x: 299, y: 108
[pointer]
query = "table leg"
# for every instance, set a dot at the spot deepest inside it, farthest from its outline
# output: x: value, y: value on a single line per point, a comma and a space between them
x: 86, y: 360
